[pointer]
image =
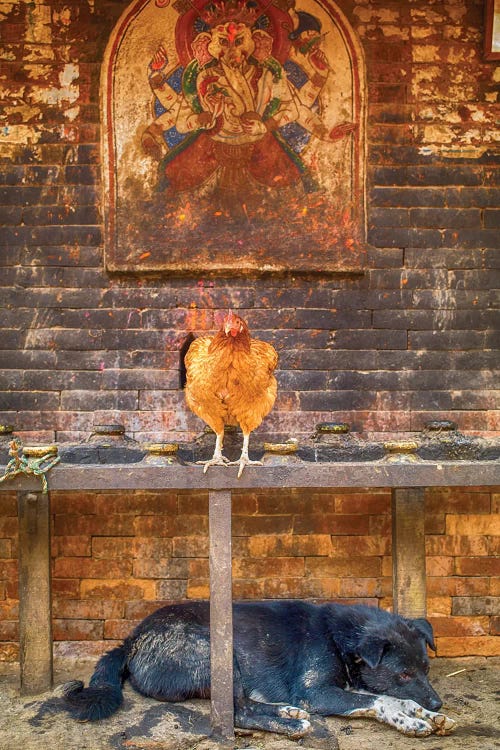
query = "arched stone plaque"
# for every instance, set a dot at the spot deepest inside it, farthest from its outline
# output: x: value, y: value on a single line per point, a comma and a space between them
x: 233, y: 135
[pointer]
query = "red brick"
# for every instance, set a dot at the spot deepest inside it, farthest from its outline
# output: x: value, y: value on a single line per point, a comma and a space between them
x: 251, y: 525
x: 371, y: 503
x: 190, y: 546
x: 77, y: 630
x: 365, y: 546
x: 478, y: 566
x: 68, y: 587
x: 243, y: 504
x: 166, y: 568
x: 153, y: 526
x: 331, y: 524
x: 283, y: 545
x: 8, y: 526
x: 5, y: 548
x: 458, y: 586
x: 87, y: 609
x: 111, y: 547
x: 365, y: 587
x: 8, y: 570
x: 451, y: 500
x: 119, y: 629
x: 281, y: 503
x: 9, y: 630
x: 191, y: 525
x: 71, y: 546
x: 435, y: 523
x: 171, y: 589
x: 380, y: 525
x: 473, y: 646
x: 438, y: 605
x: 459, y: 626
x: 291, y: 588
x: 138, y: 610
x: 201, y: 590
x: 358, y: 567
x: 75, y: 525
x: 139, y: 502
x: 194, y: 504
x: 85, y: 567
x: 9, y: 652
x: 151, y: 547
x: 78, y: 503
x: 117, y: 589
x: 9, y: 609
x: 440, y: 565
x: 441, y: 544
x: 475, y: 525
x: 286, y: 567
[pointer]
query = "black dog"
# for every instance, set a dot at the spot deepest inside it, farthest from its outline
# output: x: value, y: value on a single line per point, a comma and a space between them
x: 291, y: 658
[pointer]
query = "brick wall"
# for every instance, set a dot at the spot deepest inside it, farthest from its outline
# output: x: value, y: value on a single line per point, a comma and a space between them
x: 410, y: 339
x: 117, y: 557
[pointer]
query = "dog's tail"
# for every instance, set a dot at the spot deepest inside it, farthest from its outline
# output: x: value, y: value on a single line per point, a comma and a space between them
x: 104, y: 694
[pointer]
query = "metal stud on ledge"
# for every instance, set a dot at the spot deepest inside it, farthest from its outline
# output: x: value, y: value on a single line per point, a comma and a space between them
x: 401, y: 451
x: 161, y: 454
x: 281, y: 454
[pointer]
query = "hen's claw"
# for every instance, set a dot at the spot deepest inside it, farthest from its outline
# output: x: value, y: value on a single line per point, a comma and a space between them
x: 242, y: 462
x: 215, y: 461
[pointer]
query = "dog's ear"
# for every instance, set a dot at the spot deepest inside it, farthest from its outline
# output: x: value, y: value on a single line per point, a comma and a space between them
x: 424, y: 627
x: 371, y: 649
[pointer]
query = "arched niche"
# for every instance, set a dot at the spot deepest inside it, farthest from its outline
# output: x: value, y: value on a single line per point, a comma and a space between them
x: 233, y: 137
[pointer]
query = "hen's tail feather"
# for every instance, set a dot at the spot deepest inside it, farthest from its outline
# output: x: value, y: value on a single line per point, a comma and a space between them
x: 104, y: 694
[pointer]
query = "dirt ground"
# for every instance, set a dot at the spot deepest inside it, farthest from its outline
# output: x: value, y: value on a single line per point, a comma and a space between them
x: 470, y: 689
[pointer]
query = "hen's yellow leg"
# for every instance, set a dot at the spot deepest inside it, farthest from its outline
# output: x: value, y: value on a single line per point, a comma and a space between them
x: 244, y: 460
x: 217, y: 459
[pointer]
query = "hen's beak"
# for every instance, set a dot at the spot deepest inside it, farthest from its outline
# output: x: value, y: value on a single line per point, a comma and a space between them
x: 230, y: 327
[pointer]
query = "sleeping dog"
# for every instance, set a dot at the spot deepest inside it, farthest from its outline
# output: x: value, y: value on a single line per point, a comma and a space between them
x: 291, y: 659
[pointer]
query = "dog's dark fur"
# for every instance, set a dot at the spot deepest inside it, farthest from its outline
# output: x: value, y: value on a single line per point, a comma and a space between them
x: 291, y: 658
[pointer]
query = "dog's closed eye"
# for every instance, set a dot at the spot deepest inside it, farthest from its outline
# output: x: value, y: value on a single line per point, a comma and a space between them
x: 406, y: 676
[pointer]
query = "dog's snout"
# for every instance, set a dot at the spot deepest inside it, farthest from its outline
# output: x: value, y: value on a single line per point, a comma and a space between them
x: 435, y: 703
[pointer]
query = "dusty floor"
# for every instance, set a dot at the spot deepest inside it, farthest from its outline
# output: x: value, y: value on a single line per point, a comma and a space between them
x: 470, y: 689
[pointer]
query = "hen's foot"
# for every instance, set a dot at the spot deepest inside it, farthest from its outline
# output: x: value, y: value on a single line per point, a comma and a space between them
x: 242, y: 462
x: 215, y: 461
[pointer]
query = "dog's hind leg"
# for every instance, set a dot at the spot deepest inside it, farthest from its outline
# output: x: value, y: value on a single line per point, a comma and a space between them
x: 271, y: 717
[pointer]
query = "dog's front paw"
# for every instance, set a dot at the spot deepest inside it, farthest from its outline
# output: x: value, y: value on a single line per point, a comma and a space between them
x: 292, y: 712
x: 302, y: 728
x: 440, y: 723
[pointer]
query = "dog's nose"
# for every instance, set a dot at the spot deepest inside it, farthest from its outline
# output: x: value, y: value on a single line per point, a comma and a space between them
x: 435, y: 703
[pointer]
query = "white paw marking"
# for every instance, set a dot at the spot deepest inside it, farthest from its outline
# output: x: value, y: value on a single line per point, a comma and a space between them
x: 410, y: 718
x: 292, y: 712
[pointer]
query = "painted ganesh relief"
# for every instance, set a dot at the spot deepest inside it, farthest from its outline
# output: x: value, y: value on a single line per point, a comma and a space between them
x: 233, y: 137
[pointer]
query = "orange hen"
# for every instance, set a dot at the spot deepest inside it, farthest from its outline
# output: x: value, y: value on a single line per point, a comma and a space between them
x: 230, y: 381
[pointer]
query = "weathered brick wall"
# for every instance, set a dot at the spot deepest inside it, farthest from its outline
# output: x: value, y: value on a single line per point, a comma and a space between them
x: 117, y: 557
x: 410, y: 339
